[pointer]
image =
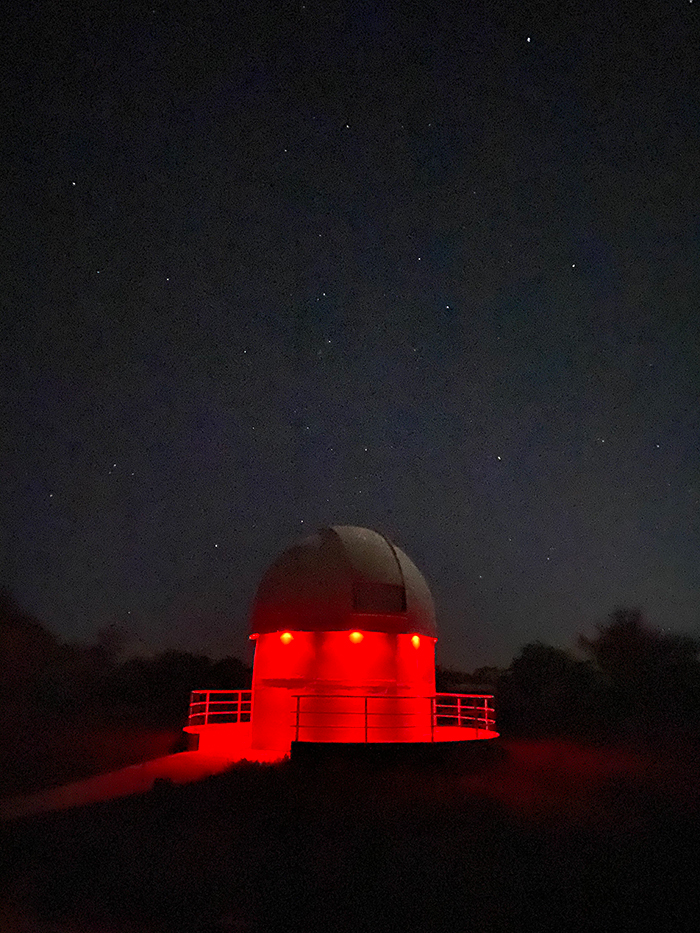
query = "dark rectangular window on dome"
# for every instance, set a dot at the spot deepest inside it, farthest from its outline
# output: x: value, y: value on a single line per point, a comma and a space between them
x: 383, y: 598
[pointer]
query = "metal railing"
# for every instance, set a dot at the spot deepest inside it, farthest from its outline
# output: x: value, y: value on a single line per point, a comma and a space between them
x: 458, y: 710
x: 464, y: 710
x: 210, y: 707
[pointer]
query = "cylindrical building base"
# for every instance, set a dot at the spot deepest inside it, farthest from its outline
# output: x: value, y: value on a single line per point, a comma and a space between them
x: 397, y: 752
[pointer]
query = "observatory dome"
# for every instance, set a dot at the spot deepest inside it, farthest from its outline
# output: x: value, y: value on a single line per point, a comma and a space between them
x: 340, y: 579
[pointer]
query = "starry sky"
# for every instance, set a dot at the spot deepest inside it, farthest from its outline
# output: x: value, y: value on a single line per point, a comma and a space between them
x: 275, y: 265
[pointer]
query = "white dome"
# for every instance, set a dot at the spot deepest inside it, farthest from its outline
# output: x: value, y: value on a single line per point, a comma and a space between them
x: 344, y: 578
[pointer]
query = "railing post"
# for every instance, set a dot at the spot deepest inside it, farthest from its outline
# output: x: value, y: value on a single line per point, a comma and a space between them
x: 365, y: 720
x: 433, y: 716
x: 206, y: 709
x: 296, y: 734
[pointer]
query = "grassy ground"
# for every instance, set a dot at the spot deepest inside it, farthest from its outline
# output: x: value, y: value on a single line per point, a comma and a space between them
x: 543, y: 836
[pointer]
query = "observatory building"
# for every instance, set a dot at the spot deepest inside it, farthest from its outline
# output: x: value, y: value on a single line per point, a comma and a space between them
x: 344, y: 630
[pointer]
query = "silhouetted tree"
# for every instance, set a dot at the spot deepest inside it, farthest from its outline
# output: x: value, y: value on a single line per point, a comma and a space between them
x: 158, y: 688
x: 547, y: 691
x: 67, y: 710
x: 230, y: 674
x: 487, y: 676
x: 451, y: 681
x: 112, y: 641
x: 27, y: 649
x: 654, y: 675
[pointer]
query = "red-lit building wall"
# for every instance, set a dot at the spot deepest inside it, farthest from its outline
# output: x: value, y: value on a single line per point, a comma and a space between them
x: 348, y: 666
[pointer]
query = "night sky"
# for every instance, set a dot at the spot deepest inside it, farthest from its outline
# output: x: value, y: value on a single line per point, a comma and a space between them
x: 271, y: 266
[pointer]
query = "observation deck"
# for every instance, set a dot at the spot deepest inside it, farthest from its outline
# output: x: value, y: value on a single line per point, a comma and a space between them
x: 222, y: 717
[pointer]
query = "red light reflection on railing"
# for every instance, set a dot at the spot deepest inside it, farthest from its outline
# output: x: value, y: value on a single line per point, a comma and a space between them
x: 210, y: 707
x: 464, y: 710
x: 364, y: 717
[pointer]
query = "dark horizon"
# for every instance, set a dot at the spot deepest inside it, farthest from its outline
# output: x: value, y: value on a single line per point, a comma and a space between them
x: 279, y: 267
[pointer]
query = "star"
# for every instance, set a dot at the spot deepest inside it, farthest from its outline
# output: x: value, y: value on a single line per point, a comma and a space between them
x: 179, y: 401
